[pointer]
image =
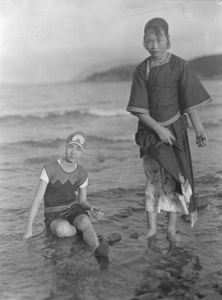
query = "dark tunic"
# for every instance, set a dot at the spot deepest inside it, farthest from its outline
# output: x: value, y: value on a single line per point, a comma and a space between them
x: 166, y: 90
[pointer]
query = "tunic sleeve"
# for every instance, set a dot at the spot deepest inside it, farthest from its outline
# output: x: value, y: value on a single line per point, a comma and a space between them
x: 192, y: 94
x: 138, y: 102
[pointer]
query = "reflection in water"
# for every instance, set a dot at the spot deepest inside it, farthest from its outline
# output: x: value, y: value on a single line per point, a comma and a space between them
x: 172, y: 275
x: 72, y: 265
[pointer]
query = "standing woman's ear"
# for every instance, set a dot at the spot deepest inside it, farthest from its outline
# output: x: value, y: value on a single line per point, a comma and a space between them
x: 168, y: 42
x: 144, y: 44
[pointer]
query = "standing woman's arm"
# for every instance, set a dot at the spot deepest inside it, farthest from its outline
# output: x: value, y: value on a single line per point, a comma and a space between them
x: 201, y: 137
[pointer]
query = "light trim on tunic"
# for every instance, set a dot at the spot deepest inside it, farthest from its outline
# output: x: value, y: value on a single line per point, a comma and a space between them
x: 170, y: 121
x: 150, y: 63
x: 157, y: 63
x: 146, y: 112
x: 132, y: 109
x: 198, y: 106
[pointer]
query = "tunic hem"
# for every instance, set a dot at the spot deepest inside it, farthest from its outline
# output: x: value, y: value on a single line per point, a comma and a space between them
x: 198, y: 106
x: 137, y: 110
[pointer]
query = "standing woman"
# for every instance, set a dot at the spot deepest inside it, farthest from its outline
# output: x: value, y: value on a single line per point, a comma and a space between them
x: 164, y: 91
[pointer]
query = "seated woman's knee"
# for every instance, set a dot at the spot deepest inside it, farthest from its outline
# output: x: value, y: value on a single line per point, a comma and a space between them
x: 82, y: 222
x: 63, y: 229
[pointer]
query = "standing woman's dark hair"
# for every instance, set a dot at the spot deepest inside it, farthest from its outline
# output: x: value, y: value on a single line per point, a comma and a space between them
x: 159, y: 26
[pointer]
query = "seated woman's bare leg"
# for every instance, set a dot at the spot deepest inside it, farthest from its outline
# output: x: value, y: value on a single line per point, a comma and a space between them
x: 62, y: 228
x: 84, y: 224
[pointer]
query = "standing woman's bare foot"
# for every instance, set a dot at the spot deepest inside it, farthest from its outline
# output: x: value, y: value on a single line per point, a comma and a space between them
x: 147, y: 235
x: 150, y: 233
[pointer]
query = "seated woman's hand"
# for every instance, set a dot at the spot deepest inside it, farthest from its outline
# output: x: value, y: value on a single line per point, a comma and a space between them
x: 96, y: 212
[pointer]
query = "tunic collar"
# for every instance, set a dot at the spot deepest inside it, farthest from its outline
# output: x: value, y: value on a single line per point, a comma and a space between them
x: 160, y: 61
x: 150, y: 63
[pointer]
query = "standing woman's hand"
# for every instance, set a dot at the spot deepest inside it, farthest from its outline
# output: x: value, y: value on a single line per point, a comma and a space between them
x: 201, y: 138
x: 165, y: 135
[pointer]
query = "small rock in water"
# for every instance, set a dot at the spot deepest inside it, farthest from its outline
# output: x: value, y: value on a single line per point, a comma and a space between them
x: 125, y: 227
x: 201, y: 203
x: 113, y: 238
x: 185, y: 218
x: 134, y: 235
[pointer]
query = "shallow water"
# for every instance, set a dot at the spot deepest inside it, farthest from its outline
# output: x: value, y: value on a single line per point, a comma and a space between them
x: 46, y: 267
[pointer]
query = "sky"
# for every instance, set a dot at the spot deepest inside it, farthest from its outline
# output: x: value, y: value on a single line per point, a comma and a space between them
x: 43, y: 41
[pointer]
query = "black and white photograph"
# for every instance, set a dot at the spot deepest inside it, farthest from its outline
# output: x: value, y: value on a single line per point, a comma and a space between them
x: 110, y: 149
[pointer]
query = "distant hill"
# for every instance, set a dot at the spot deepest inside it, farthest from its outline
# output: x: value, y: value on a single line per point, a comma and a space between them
x: 121, y: 73
x: 207, y: 67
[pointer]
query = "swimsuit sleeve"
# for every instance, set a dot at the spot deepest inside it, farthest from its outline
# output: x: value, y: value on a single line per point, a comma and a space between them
x: 84, y: 184
x: 83, y: 177
x: 192, y: 94
x: 44, y: 176
x: 138, y: 102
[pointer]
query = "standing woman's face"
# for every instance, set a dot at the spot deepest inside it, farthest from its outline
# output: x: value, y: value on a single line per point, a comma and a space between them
x: 156, y: 44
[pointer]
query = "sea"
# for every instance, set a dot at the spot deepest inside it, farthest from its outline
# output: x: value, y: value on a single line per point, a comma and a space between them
x: 35, y: 121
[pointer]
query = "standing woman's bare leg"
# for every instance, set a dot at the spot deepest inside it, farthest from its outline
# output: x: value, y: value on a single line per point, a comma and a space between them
x: 151, y: 223
x: 171, y: 226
